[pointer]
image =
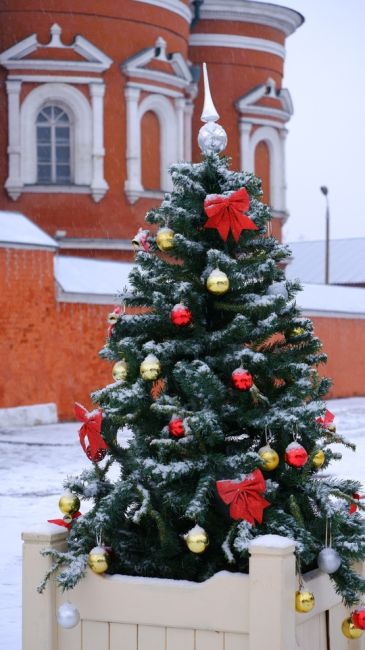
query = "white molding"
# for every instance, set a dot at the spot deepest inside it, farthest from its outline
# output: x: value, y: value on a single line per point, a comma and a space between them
x: 175, y: 6
x: 56, y: 189
x: 78, y: 243
x: 14, y: 181
x: 266, y: 110
x: 99, y: 186
x: 155, y: 75
x: 241, y: 42
x: 23, y: 246
x: 88, y: 298
x: 333, y: 314
x: 46, y: 64
x: 48, y: 78
x: 282, y: 18
x: 150, y: 88
x: 262, y: 121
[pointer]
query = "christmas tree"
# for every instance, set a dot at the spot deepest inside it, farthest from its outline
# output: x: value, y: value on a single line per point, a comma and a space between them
x: 216, y: 382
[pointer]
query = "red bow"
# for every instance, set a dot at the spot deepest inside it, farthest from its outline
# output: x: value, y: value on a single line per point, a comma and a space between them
x: 326, y: 420
x: 225, y: 213
x: 62, y: 522
x: 90, y: 430
x: 353, y: 506
x: 245, y: 498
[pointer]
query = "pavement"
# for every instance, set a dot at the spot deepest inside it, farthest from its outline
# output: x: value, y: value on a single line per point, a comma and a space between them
x: 34, y: 462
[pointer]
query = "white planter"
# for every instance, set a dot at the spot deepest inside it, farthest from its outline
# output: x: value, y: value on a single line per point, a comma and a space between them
x: 228, y: 612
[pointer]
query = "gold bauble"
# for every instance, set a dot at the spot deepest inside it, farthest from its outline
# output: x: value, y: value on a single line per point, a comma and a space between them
x: 69, y: 503
x: 304, y: 601
x: 318, y: 459
x: 98, y: 559
x: 270, y: 458
x: 297, y: 331
x: 217, y: 282
x: 120, y: 370
x: 150, y: 368
x: 165, y: 239
x: 349, y: 630
x: 197, y: 539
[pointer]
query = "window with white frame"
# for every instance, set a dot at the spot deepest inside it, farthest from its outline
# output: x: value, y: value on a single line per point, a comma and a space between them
x: 53, y: 137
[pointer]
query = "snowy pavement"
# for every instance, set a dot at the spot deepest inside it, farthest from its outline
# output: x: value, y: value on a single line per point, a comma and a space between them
x: 35, y: 461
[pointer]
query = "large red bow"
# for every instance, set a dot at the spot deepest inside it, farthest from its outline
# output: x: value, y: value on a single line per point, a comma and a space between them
x: 326, y: 420
x: 245, y: 498
x: 225, y: 213
x: 91, y: 430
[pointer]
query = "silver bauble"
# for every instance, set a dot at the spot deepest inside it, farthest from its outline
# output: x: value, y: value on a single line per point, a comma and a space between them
x: 212, y: 138
x: 278, y: 289
x: 328, y: 560
x: 68, y: 615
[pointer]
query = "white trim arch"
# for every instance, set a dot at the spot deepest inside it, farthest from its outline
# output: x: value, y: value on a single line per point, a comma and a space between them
x: 79, y: 110
x: 166, y: 116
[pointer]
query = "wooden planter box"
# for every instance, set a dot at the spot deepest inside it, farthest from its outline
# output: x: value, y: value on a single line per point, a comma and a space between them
x: 228, y: 612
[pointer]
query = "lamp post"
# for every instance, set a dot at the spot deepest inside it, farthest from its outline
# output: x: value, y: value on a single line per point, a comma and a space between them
x: 324, y: 191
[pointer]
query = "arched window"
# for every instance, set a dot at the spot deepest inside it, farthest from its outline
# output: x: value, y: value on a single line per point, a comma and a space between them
x: 53, y: 137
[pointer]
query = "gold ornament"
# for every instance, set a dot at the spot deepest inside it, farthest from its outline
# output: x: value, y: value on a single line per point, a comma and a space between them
x: 98, y: 559
x: 120, y: 370
x: 150, y: 368
x: 297, y: 331
x: 269, y: 457
x: 331, y: 428
x: 217, y: 282
x: 165, y: 239
x: 349, y: 630
x: 304, y: 601
x: 318, y: 459
x: 69, y: 504
x: 196, y: 539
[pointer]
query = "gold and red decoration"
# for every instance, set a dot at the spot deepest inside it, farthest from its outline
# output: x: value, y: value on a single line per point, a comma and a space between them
x: 295, y: 455
x: 150, y: 368
x: 217, y: 282
x: 269, y: 457
x: 318, y: 459
x: 90, y: 430
x: 197, y: 539
x: 98, y: 559
x: 357, y: 497
x: 304, y: 601
x: 245, y: 498
x: 181, y: 315
x: 120, y: 370
x: 69, y: 505
x: 358, y: 618
x: 176, y: 427
x: 349, y: 630
x: 227, y: 213
x: 327, y: 422
x: 140, y: 240
x: 242, y: 379
x: 165, y: 239
x: 113, y: 318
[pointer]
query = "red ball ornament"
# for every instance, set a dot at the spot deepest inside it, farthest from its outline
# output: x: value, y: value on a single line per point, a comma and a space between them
x: 176, y: 428
x: 358, y: 618
x: 96, y: 456
x: 242, y: 379
x: 295, y: 455
x: 181, y: 316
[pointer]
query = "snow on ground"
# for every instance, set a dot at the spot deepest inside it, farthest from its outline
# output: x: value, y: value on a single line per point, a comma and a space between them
x: 33, y: 464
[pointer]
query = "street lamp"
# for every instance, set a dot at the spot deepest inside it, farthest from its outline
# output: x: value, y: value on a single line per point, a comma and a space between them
x: 324, y: 191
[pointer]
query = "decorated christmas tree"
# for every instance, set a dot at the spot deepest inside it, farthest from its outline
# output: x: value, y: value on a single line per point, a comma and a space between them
x: 216, y: 386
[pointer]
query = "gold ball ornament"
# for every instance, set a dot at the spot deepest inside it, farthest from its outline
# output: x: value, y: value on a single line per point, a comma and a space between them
x: 297, y: 331
x: 269, y: 457
x: 349, y: 630
x: 98, y: 559
x: 196, y: 539
x: 304, y: 601
x: 165, y: 239
x: 150, y: 368
x: 217, y: 282
x: 120, y: 370
x: 69, y: 504
x: 318, y: 459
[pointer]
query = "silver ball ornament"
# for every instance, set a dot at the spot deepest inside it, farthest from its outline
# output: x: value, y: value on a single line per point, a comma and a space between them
x: 68, y: 616
x: 278, y: 289
x: 212, y: 138
x: 328, y: 560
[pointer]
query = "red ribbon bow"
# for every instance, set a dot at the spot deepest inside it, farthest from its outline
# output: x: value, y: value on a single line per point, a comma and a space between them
x: 353, y: 506
x: 90, y: 430
x: 62, y: 522
x: 245, y: 498
x: 326, y: 420
x: 225, y: 213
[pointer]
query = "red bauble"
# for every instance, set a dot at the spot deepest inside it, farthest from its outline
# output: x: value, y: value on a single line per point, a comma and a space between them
x: 358, y: 618
x: 96, y: 456
x: 242, y: 379
x: 181, y: 316
x: 176, y: 428
x: 295, y: 455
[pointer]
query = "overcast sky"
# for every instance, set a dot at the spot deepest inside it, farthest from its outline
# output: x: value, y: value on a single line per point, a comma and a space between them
x: 325, y: 73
